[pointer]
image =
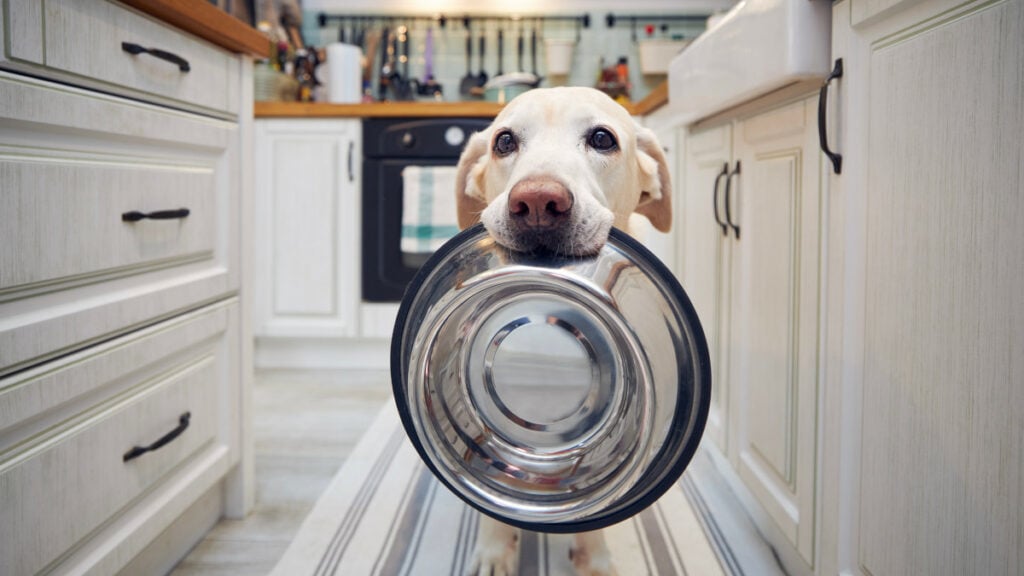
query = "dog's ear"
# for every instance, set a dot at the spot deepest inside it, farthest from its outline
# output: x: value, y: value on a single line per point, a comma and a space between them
x: 470, y: 200
x: 655, y: 183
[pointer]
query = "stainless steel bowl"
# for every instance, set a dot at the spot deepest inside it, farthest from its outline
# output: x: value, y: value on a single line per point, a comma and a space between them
x: 555, y: 394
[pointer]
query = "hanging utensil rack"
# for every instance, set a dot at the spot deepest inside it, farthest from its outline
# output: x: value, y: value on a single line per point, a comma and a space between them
x: 324, y: 18
x: 663, y: 20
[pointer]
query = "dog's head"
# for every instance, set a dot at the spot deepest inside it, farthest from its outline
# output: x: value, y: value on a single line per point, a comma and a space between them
x: 557, y: 168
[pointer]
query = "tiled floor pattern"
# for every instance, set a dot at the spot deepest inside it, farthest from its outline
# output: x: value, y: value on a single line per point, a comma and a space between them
x: 305, y: 423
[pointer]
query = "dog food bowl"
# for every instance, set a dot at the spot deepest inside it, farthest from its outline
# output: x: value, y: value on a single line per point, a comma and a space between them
x: 556, y: 394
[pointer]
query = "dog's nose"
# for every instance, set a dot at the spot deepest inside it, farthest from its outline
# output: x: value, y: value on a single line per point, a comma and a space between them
x: 539, y: 203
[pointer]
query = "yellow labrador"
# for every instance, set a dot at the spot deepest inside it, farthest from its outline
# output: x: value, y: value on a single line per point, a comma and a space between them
x: 556, y: 170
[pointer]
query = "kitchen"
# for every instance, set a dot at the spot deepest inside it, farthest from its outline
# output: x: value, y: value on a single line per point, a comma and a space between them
x: 865, y: 344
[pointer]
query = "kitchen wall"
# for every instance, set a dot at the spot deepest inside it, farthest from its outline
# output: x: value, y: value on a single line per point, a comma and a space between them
x: 595, y: 43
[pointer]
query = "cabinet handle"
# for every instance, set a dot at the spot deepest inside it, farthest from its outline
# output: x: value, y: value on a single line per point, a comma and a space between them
x: 137, y: 451
x: 728, y: 213
x: 837, y: 159
x: 135, y: 215
x: 351, y: 149
x: 714, y: 200
x: 156, y: 53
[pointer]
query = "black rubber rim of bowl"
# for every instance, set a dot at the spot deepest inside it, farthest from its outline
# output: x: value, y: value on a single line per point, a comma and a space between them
x: 702, y: 365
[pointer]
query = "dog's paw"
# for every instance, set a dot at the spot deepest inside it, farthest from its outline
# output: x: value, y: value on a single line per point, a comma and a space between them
x: 588, y: 563
x: 496, y: 558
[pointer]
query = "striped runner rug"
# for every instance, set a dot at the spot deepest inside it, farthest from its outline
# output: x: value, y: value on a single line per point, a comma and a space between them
x: 385, y: 514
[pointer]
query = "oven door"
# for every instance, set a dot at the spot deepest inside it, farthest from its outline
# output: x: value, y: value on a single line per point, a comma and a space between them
x: 387, y: 270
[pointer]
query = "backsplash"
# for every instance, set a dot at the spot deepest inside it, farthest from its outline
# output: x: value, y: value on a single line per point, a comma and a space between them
x: 595, y: 43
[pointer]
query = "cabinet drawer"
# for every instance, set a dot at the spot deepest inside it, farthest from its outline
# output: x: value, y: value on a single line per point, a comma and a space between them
x: 63, y: 482
x: 70, y: 208
x: 82, y: 39
x: 72, y: 163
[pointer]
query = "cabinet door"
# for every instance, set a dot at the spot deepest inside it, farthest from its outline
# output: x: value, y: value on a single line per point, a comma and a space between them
x: 933, y: 326
x: 705, y: 259
x: 774, y: 319
x: 307, y: 222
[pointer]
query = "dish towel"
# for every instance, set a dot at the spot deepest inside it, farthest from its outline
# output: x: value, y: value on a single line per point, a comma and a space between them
x: 429, y: 217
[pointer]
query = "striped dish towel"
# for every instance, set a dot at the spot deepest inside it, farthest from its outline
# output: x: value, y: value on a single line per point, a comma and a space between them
x: 429, y: 216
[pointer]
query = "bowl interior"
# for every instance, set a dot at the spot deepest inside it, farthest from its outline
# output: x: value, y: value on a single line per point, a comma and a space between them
x: 551, y: 393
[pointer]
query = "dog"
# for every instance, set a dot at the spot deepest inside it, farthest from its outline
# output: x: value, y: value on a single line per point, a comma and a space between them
x: 553, y: 173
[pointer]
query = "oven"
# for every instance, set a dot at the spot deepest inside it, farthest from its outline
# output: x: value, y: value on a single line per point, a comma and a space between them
x: 394, y: 149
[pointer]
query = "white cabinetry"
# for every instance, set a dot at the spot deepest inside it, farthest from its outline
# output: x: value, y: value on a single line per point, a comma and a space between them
x: 307, y: 209
x: 122, y: 309
x: 924, y: 443
x: 308, y: 310
x: 751, y: 230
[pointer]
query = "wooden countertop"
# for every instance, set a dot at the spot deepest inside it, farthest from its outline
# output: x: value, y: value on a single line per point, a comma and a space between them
x: 376, y: 110
x: 657, y: 98
x: 205, y: 20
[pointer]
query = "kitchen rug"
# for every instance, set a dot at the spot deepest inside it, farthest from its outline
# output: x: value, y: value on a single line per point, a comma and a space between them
x: 385, y: 514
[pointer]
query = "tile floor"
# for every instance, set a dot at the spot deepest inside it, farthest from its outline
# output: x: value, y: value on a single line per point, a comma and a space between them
x: 305, y: 424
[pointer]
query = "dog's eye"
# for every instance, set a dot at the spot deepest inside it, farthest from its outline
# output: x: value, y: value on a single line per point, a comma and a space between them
x: 505, y: 144
x: 602, y: 140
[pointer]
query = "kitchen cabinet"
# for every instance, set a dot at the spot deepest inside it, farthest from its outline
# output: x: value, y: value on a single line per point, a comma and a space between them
x: 924, y: 441
x: 123, y: 313
x: 307, y: 207
x: 307, y: 309
x: 751, y: 238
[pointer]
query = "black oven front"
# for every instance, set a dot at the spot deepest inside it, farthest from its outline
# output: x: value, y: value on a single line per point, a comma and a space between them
x: 390, y: 145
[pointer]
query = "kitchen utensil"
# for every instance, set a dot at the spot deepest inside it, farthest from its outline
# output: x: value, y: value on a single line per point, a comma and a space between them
x: 387, y: 53
x: 519, y: 51
x: 533, y: 50
x: 429, y: 86
x: 481, y: 77
x: 370, y: 57
x: 469, y: 80
x: 554, y: 394
x: 501, y: 52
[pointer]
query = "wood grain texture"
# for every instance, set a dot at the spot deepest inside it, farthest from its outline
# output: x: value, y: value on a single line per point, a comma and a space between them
x: 203, y: 19
x: 654, y: 100
x: 84, y: 38
x: 78, y: 160
x: 942, y: 438
x: 775, y: 315
x: 307, y: 207
x: 706, y: 264
x: 377, y: 110
x: 55, y: 493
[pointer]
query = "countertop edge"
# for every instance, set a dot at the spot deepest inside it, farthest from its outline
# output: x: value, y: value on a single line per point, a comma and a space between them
x: 656, y: 99
x: 208, y: 22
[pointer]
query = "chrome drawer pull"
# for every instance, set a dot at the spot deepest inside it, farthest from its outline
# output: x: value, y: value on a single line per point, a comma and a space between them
x: 157, y: 53
x: 137, y: 451
x: 135, y: 215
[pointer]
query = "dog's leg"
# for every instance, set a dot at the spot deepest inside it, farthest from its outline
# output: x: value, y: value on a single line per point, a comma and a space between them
x: 590, y: 555
x: 497, y: 549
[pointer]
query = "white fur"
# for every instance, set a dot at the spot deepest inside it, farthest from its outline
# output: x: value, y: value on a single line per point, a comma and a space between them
x: 552, y: 126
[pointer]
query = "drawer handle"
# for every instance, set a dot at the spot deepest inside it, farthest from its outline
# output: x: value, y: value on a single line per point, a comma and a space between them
x: 714, y: 199
x: 137, y: 451
x: 157, y: 53
x: 728, y: 213
x: 135, y: 215
x: 837, y: 159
